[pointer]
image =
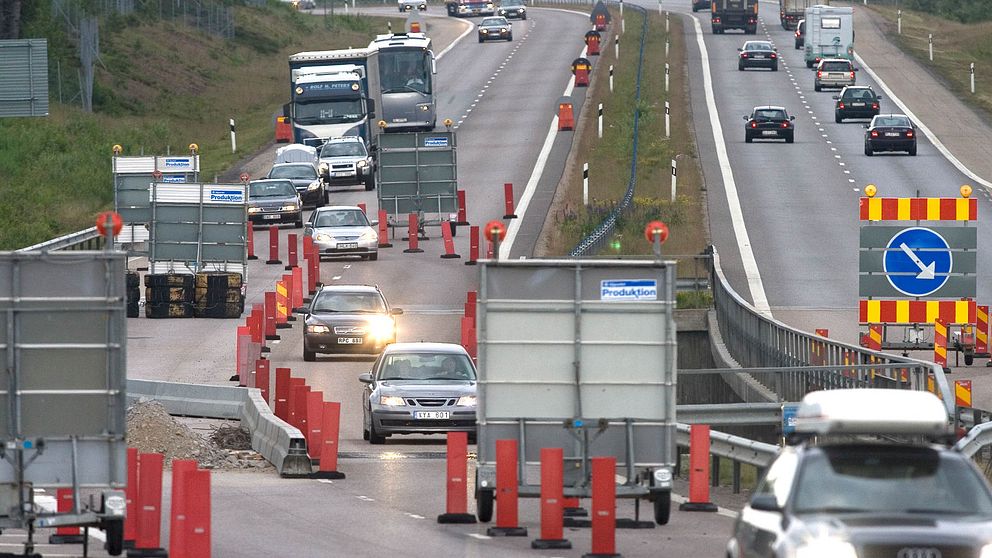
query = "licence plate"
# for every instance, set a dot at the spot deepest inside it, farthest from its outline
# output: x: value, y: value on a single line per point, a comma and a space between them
x: 346, y: 245
x: 891, y: 134
x: 345, y: 173
x: 350, y: 340
x: 757, y: 56
x: 270, y: 216
x: 769, y: 133
x: 432, y: 415
x: 857, y: 104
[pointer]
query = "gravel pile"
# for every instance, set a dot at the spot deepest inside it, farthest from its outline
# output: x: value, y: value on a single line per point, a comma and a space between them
x: 151, y: 429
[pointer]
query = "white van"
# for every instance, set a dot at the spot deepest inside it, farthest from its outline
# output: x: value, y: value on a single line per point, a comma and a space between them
x: 829, y: 33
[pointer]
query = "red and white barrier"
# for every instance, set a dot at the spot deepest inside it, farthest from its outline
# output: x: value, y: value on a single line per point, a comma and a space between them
x: 552, y: 496
x: 330, y: 432
x: 449, y: 241
x: 507, y: 522
x: 273, y: 246
x: 699, y: 470
x: 315, y: 423
x: 281, y: 404
x: 149, y: 509
x: 456, y: 503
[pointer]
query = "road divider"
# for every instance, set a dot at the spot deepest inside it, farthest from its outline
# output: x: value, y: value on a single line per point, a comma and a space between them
x: 552, y: 505
x: 473, y: 245
x: 456, y: 503
x: 507, y: 481
x: 273, y: 246
x: 330, y: 433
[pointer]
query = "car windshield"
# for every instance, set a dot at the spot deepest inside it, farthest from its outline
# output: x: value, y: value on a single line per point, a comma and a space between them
x: 439, y: 367
x: 511, y: 4
x: 757, y: 46
x: 352, y: 303
x: 273, y: 189
x: 493, y: 22
x: 858, y: 95
x: 341, y: 218
x: 836, y: 66
x: 770, y: 114
x: 294, y: 171
x: 343, y: 149
x: 895, y: 479
x: 891, y: 121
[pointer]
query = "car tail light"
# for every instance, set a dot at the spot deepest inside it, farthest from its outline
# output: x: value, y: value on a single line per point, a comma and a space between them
x: 797, y: 33
x: 874, y: 133
x: 785, y: 124
x: 716, y: 20
x: 819, y: 75
x: 774, y: 56
x: 850, y: 74
x: 909, y: 134
x: 743, y: 55
x: 840, y: 105
x: 754, y: 124
x: 874, y: 106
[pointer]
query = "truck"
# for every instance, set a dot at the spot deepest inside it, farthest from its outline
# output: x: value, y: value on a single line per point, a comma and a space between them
x: 579, y: 355
x: 791, y: 11
x: 734, y: 14
x: 829, y: 33
x: 461, y: 8
x: 407, y: 74
x: 62, y: 422
x: 333, y: 93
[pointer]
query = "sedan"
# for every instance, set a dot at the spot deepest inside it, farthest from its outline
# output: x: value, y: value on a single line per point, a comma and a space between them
x: 495, y: 28
x: 274, y: 201
x: 348, y: 319
x: 769, y: 122
x: 890, y: 132
x: 419, y: 388
x: 758, y: 54
x: 856, y: 101
x: 304, y: 178
x: 512, y: 8
x: 834, y: 72
x: 343, y: 230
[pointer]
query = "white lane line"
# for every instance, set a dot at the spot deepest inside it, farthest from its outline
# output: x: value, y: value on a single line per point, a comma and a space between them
x: 926, y: 131
x: 325, y: 481
x: 415, y: 516
x: 754, y: 283
x: 478, y: 536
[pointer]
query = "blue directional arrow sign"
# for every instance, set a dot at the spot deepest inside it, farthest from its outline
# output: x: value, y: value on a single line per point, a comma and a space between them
x: 917, y: 261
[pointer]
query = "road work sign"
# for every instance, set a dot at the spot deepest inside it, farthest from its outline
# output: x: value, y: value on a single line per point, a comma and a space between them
x: 628, y: 290
x: 918, y: 261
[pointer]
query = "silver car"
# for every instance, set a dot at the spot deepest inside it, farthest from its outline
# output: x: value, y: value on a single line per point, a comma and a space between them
x: 343, y: 230
x: 419, y: 388
x: 834, y: 72
x: 346, y: 161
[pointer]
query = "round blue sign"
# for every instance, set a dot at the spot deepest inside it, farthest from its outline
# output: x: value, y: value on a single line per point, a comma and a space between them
x: 917, y: 261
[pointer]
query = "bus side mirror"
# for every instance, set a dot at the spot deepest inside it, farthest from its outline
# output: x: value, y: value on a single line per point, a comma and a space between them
x: 433, y: 64
x: 370, y: 103
x: 285, y: 110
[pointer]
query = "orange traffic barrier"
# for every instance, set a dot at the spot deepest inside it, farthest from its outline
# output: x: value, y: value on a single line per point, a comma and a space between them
x: 581, y: 67
x: 242, y: 356
x: 330, y: 431
x: 699, y: 470
x: 196, y: 484
x: 940, y: 342
x: 449, y: 242
x: 982, y: 332
x: 566, y: 117
x: 270, y: 316
x: 298, y: 405
x: 251, y: 242
x: 962, y: 393
x: 592, y: 42
x: 315, y: 421
x: 552, y: 506
x: 456, y: 503
x: 412, y: 232
x: 131, y: 499
x: 462, y: 209
x: 473, y: 245
x: 384, y: 230
x: 508, y: 201
x: 600, y: 22
x: 284, y: 130
x: 297, y: 289
x: 415, y: 27
x: 361, y: 205
x: 281, y: 405
x: 292, y: 245
x: 507, y: 480
x: 875, y: 337
x: 148, y: 511
x: 65, y: 535
x: 282, y: 306
x: 262, y: 378
x: 604, y: 506
x: 179, y: 507
x: 288, y: 279
x: 273, y: 246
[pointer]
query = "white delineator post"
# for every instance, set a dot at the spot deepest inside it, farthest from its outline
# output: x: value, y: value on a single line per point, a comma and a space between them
x: 585, y: 184
x: 623, y: 25
x: 611, y: 78
x: 621, y: 8
x: 666, y: 22
x: 616, y: 47
x: 930, y: 45
x: 899, y: 21
x: 600, y: 125
x: 666, y: 48
x: 972, y: 70
x: 674, y: 174
x: 659, y: 7
x: 666, y: 77
x: 234, y: 140
x: 668, y: 121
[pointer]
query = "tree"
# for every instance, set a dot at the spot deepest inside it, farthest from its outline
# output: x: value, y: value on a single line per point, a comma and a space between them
x: 10, y: 19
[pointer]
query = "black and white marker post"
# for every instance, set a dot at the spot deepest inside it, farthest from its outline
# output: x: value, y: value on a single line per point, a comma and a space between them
x: 234, y: 140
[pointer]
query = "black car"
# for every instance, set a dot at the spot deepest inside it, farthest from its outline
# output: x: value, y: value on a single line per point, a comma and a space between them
x: 769, y: 122
x: 868, y: 487
x: 304, y: 178
x: 495, y: 29
x: 800, y: 34
x: 348, y: 319
x: 512, y: 8
x: 856, y: 101
x: 758, y: 54
x: 890, y: 132
x: 700, y: 5
x: 274, y: 201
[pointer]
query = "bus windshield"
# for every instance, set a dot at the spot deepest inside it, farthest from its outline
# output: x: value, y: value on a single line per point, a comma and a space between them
x: 329, y: 112
x: 405, y: 70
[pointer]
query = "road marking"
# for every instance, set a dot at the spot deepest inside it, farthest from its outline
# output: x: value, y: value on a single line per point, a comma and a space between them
x: 325, y: 481
x: 365, y: 498
x: 335, y: 278
x: 833, y: 149
x: 478, y: 536
x: 751, y: 272
x: 415, y: 516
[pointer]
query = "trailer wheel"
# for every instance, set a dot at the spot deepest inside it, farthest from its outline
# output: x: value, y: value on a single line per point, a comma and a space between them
x: 662, y: 507
x: 114, y: 530
x: 969, y: 358
x: 484, y: 499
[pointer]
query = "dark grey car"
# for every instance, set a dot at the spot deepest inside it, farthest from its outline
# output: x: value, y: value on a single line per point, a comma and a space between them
x: 274, y: 201
x: 495, y: 28
x: 348, y: 319
x: 304, y: 178
x: 419, y: 388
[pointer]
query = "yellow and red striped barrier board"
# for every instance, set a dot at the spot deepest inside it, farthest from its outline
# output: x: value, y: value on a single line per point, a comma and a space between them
x: 940, y: 343
x: 982, y: 330
x: 918, y: 209
x: 875, y: 337
x: 916, y: 311
x: 962, y: 393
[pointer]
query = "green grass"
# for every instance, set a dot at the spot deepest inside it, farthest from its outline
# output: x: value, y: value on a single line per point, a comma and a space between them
x: 160, y: 86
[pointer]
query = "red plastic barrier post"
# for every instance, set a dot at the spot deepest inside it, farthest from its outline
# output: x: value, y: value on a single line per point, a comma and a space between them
x: 287, y: 281
x: 131, y: 498
x: 297, y: 289
x: 270, y: 316
x: 65, y: 535
x: 315, y: 423
x: 361, y: 205
x: 506, y: 491
x: 241, y: 356
x: 251, y: 242
x: 449, y: 242
x: 471, y: 299
x: 149, y: 508
x: 552, y: 506
x: 298, y: 405
x: 508, y: 195
x: 699, y: 470
x: 179, y: 507
x: 604, y: 506
x: 384, y: 230
x: 262, y: 380
x: 281, y: 407
x: 258, y: 335
x: 330, y: 431
x: 307, y: 247
x: 292, y: 243
x: 462, y: 209
x: 473, y: 245
x: 313, y: 267
x: 456, y: 505
x: 273, y: 246
x: 412, y: 231
x: 197, y: 485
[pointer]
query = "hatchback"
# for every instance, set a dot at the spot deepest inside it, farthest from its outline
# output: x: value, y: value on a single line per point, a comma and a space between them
x: 834, y: 72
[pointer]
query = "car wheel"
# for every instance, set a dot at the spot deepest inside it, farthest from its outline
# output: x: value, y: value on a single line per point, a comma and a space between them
x: 473, y: 437
x: 817, y: 87
x: 868, y: 150
x: 373, y: 256
x: 375, y: 438
x: 798, y: 46
x: 740, y: 66
x: 114, y: 531
x: 790, y: 138
x: 484, y: 499
x: 969, y: 359
x: 747, y: 138
x: 662, y: 507
x: 370, y: 183
x: 509, y: 39
x: 480, y: 39
x: 523, y: 17
x: 454, y: 229
x: 809, y: 64
x: 775, y: 68
x: 912, y: 150
x: 309, y: 356
x: 837, y: 118
x: 327, y: 198
x: 298, y: 224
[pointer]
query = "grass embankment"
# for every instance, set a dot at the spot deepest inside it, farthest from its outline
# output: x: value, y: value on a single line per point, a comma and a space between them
x: 955, y: 46
x: 160, y: 85
x: 609, y: 157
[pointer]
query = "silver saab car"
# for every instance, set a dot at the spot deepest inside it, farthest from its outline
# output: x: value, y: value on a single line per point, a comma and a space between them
x: 419, y: 388
x: 343, y: 230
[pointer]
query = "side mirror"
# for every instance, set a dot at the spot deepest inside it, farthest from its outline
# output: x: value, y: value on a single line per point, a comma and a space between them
x: 835, y: 97
x: 792, y: 118
x: 878, y: 98
x: 370, y: 105
x: 395, y: 311
x: 739, y: 50
x: 745, y: 117
x: 374, y: 223
x: 365, y: 378
x: 856, y: 70
x: 765, y: 502
x: 286, y: 110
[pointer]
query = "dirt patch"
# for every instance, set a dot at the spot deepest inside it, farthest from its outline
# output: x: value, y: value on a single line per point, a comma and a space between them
x: 151, y: 429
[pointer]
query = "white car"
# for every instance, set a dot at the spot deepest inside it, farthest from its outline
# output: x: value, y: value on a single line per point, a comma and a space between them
x: 343, y: 230
x: 346, y: 161
x: 410, y: 5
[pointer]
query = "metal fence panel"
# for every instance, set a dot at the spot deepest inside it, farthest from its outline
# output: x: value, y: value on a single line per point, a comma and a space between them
x: 24, y: 77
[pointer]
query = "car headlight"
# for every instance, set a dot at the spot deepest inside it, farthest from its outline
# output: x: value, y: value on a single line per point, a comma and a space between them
x: 318, y: 328
x: 254, y: 209
x: 369, y: 235
x: 323, y: 237
x: 483, y: 31
x: 424, y: 107
x: 466, y: 401
x: 362, y: 164
x: 826, y: 548
x: 290, y: 207
x: 313, y: 186
x: 382, y: 328
x: 502, y: 29
x: 391, y: 401
x: 986, y: 551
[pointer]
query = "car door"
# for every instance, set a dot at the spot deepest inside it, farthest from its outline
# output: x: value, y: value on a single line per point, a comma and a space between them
x: 758, y: 531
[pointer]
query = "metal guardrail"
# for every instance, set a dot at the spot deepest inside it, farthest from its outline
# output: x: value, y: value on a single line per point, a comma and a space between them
x: 88, y: 239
